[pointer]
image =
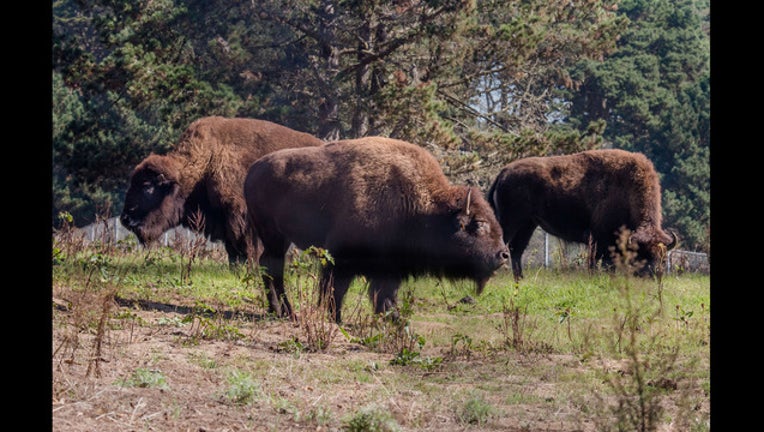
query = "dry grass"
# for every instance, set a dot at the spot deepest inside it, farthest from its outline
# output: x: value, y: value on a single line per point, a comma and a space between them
x: 137, y: 348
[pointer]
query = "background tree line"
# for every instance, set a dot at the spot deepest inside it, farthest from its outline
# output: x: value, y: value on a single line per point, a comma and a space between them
x: 477, y: 82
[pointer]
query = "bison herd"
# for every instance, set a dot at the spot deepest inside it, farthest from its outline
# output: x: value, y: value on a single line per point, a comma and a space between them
x: 384, y: 208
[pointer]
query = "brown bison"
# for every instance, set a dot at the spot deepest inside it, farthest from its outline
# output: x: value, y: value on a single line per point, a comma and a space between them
x: 381, y: 207
x: 587, y: 197
x: 203, y: 175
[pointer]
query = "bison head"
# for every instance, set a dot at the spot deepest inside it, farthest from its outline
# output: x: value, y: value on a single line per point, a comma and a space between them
x: 153, y: 202
x: 475, y: 248
x: 652, y: 246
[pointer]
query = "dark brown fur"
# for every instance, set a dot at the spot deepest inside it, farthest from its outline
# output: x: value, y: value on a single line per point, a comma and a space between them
x: 382, y: 208
x: 205, y: 173
x: 587, y: 197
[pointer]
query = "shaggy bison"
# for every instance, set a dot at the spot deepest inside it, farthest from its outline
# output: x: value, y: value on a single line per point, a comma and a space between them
x: 381, y: 207
x: 587, y: 197
x: 203, y: 175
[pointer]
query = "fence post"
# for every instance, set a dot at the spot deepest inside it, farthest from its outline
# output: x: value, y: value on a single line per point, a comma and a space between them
x: 668, y: 262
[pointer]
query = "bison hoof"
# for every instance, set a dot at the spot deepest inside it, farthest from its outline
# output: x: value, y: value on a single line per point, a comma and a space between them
x: 392, y: 315
x: 467, y: 300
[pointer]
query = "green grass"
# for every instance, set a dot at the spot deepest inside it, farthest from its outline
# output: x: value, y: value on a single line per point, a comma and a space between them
x: 581, y: 334
x: 371, y: 419
x: 143, y: 377
x: 475, y: 410
x: 560, y: 309
x: 242, y: 388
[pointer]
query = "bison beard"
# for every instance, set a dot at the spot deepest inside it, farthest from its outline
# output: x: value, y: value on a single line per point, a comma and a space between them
x: 199, y: 182
x: 382, y: 207
x: 588, y: 197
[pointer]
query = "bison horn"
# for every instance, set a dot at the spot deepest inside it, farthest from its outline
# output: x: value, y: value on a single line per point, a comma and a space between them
x: 674, y: 240
x: 469, y: 196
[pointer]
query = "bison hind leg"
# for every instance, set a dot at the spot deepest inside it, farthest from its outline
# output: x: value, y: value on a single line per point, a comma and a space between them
x: 334, y: 285
x: 517, y: 244
x: 272, y: 261
x: 383, y: 292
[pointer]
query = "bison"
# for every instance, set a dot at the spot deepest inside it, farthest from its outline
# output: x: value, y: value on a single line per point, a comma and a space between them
x: 381, y: 207
x: 588, y: 197
x: 199, y: 183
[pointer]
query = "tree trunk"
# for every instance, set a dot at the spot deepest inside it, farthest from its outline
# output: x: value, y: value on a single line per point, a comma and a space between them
x: 328, y: 111
x: 360, y: 126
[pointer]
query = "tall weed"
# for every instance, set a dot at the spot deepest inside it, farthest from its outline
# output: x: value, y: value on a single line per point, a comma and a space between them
x: 639, y: 368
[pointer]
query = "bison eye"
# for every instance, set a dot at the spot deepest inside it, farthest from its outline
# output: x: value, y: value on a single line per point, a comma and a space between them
x: 148, y: 188
x: 481, y: 227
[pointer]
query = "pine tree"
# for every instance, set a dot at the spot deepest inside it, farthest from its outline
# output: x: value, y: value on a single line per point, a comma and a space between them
x: 654, y: 95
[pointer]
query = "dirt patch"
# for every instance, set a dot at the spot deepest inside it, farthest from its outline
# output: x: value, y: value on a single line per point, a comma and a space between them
x: 157, y: 371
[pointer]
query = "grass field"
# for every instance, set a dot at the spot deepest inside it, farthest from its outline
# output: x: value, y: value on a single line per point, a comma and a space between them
x: 172, y: 339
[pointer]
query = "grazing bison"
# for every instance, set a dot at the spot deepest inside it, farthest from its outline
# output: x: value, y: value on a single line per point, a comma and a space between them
x: 587, y: 197
x: 381, y: 207
x: 204, y: 175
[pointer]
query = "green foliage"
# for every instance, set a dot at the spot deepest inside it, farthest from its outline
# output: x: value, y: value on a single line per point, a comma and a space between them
x: 320, y: 415
x: 306, y: 260
x: 479, y: 83
x: 292, y: 346
x: 65, y: 240
x: 649, y: 368
x: 206, y: 323
x: 464, y: 340
x: 476, y: 411
x: 143, y: 377
x: 122, y: 87
x: 129, y: 77
x: 95, y: 143
x: 305, y: 271
x: 383, y: 333
x: 371, y: 419
x: 242, y: 389
x: 407, y: 357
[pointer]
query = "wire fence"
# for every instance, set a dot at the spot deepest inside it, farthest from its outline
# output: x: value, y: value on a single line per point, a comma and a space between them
x: 543, y: 249
x: 112, y: 230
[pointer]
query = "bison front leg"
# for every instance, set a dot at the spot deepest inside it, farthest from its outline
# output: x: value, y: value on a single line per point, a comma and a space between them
x: 604, y: 255
x: 238, y: 237
x: 591, y: 245
x: 236, y: 256
x: 383, y: 292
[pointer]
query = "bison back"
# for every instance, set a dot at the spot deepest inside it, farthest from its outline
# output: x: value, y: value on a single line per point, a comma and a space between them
x: 355, y: 192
